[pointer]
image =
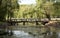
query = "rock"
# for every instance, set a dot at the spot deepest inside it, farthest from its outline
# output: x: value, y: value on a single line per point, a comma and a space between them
x: 53, y: 23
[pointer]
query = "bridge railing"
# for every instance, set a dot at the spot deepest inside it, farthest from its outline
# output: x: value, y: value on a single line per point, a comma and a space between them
x: 30, y: 19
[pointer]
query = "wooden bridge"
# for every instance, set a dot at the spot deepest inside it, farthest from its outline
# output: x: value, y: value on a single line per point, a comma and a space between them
x: 16, y: 20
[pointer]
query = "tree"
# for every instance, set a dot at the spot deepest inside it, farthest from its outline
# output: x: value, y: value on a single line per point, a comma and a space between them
x: 12, y: 6
x: 56, y: 9
x: 0, y: 2
x: 7, y: 8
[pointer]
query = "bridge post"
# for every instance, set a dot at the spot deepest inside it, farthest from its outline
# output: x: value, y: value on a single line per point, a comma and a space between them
x: 37, y: 23
x: 23, y: 23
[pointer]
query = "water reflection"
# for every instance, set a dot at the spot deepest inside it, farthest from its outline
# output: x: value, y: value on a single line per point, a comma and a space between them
x: 58, y: 34
x: 21, y: 34
x: 33, y: 32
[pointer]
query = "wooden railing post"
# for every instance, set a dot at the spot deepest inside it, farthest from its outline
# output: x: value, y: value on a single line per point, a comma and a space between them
x: 24, y: 23
x: 37, y: 23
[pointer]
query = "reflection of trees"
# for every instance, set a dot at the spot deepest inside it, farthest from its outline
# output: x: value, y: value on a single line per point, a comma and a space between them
x: 51, y: 34
x: 54, y: 35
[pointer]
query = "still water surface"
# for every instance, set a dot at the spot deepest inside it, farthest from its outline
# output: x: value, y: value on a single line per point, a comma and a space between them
x: 32, y: 32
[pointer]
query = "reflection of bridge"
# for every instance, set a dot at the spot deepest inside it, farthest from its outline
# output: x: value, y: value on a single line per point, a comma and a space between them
x: 16, y: 20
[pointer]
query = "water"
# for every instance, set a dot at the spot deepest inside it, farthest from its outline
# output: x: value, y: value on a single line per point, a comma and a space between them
x: 21, y: 34
x: 33, y: 32
x: 24, y: 32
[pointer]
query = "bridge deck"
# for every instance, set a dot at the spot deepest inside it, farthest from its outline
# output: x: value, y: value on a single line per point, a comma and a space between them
x: 16, y: 20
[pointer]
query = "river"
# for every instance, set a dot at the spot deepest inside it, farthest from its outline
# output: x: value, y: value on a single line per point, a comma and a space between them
x: 33, y: 32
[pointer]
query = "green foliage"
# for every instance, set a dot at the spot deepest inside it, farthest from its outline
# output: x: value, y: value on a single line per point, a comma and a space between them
x: 7, y: 8
x: 34, y: 11
x: 2, y: 10
x: 11, y: 8
x: 56, y: 9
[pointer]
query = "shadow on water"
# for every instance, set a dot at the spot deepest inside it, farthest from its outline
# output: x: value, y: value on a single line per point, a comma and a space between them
x: 33, y: 32
x: 20, y: 34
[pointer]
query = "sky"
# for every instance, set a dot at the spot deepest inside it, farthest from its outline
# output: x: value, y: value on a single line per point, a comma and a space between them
x: 27, y: 2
